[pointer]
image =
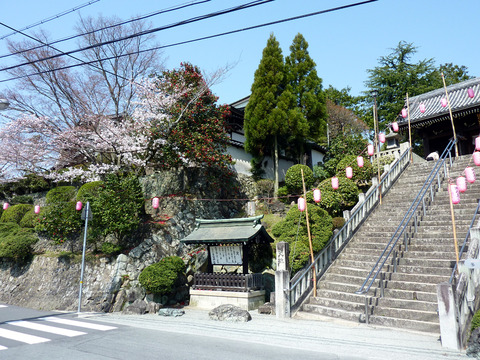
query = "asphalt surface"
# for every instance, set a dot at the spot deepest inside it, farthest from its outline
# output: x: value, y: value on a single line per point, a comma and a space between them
x: 328, y: 338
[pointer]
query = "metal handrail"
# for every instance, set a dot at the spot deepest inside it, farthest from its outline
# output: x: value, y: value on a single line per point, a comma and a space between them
x: 462, y: 250
x: 406, y: 219
x: 302, y: 282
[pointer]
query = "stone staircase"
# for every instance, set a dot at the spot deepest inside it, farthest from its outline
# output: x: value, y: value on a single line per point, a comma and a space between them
x: 410, y: 295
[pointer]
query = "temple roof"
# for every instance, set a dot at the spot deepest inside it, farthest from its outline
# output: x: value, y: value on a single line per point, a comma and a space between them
x: 228, y: 231
x: 460, y: 103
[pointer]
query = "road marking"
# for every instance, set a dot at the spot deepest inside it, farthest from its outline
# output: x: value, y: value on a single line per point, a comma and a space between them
x: 25, y: 338
x: 79, y: 324
x: 3, y: 347
x: 46, y: 328
x: 1, y: 306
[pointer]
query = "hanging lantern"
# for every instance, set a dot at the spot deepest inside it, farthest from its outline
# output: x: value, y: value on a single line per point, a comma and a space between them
x: 443, y: 102
x: 422, y: 108
x: 370, y: 149
x: 395, y: 126
x: 404, y: 113
x: 471, y: 94
x: 349, y: 172
x: 477, y: 143
x: 78, y: 206
x: 334, y: 183
x: 37, y: 209
x: 301, y: 204
x: 360, y: 161
x: 476, y: 158
x: 470, y: 174
x: 317, y: 195
x: 5, y: 206
x: 454, y: 194
x: 155, y: 202
x: 381, y: 137
x: 461, y: 184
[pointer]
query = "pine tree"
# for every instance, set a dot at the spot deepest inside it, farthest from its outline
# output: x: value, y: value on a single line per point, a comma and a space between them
x: 266, y: 117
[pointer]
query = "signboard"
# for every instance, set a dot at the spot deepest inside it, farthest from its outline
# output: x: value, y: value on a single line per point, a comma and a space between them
x: 226, y: 255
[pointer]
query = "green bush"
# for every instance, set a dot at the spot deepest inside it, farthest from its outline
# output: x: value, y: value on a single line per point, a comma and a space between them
x: 335, y: 201
x: 293, y: 178
x: 16, y: 243
x: 61, y: 194
x: 21, y: 199
x: 260, y: 257
x: 160, y: 278
x: 15, y: 213
x: 361, y: 175
x: 320, y: 228
x: 338, y: 222
x: 475, y: 321
x: 111, y: 249
x: 283, y: 194
x: 89, y: 191
x: 265, y: 188
x: 381, y: 161
x: 30, y: 219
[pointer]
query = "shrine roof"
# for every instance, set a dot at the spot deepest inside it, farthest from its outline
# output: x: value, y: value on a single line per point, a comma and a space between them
x: 228, y: 231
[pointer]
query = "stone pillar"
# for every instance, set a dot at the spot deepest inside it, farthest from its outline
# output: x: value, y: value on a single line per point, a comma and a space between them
x: 282, y: 282
x: 447, y: 314
x: 251, y: 208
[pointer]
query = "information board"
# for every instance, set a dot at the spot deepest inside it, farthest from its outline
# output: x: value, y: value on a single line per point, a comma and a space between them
x: 226, y: 255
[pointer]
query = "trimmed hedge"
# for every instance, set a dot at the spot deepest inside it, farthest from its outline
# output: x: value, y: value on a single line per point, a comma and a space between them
x: 15, y: 213
x: 160, y: 278
x: 16, y: 243
x: 293, y: 178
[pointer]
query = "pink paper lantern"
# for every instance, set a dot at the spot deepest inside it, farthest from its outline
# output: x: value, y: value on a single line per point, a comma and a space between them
x: 476, y: 158
x: 381, y: 137
x: 370, y: 149
x: 454, y: 194
x: 395, y: 126
x: 78, y: 206
x: 422, y: 108
x: 443, y: 102
x: 5, y: 206
x: 360, y: 161
x: 404, y: 113
x: 301, y: 204
x: 471, y: 94
x: 37, y: 209
x: 477, y: 143
x: 155, y: 202
x: 317, y: 195
x: 470, y: 174
x: 461, y: 184
x: 349, y: 172
x: 334, y: 183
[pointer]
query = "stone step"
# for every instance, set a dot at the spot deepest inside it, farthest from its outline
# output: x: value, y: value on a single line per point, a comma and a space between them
x: 411, y: 286
x: 337, y: 304
x: 340, y: 295
x: 340, y: 287
x: 424, y: 278
x: 406, y: 314
x: 430, y: 255
x: 410, y: 295
x: 346, y: 279
x: 415, y: 246
x: 332, y: 312
x: 429, y: 263
x: 424, y: 326
x: 410, y: 269
x: 406, y: 304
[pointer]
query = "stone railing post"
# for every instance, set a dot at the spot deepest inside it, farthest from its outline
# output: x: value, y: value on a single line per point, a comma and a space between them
x: 448, y: 314
x: 282, y: 282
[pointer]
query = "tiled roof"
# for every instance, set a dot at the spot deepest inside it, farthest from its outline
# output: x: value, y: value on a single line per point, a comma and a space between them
x: 460, y: 103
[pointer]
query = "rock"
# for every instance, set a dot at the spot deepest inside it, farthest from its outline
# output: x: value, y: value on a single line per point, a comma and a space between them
x: 228, y: 312
x: 473, y: 345
x: 152, y: 307
x: 267, y: 308
x: 137, y: 308
x: 120, y: 300
x: 170, y: 312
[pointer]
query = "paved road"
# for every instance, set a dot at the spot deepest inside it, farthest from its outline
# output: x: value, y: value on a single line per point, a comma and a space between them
x: 194, y: 336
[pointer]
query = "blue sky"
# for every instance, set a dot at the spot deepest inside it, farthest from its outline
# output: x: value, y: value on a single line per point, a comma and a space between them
x: 343, y: 44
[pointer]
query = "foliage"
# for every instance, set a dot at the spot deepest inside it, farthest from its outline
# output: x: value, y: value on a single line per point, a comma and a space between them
x: 30, y: 219
x: 283, y: 194
x: 16, y: 243
x: 265, y: 188
x: 21, y: 199
x: 30, y: 183
x: 381, y: 161
x: 160, y: 278
x: 260, y: 257
x: 361, y: 175
x: 89, y: 191
x: 111, y: 249
x: 60, y: 221
x: 15, y: 213
x: 475, y: 321
x: 293, y: 178
x: 342, y: 121
x: 338, y: 222
x: 335, y: 201
x: 320, y: 228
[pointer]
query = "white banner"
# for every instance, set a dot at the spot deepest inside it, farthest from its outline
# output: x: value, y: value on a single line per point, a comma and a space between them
x: 226, y: 255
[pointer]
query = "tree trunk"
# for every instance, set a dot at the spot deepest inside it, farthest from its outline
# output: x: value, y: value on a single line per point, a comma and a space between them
x: 275, y: 168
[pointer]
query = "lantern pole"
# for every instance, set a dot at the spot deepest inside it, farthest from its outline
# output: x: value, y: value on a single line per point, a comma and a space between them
x: 377, y: 145
x: 85, y: 215
x: 309, y: 238
x: 452, y: 213
x: 451, y: 116
x: 409, y: 132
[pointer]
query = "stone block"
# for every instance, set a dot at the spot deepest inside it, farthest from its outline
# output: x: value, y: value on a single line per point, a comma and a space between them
x: 231, y: 313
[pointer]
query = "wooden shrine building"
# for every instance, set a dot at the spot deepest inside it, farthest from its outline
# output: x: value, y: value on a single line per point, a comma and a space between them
x: 228, y: 242
x: 432, y: 121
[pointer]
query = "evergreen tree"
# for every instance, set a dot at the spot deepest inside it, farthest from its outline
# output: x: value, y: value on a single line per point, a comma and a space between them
x: 307, y: 116
x: 265, y: 115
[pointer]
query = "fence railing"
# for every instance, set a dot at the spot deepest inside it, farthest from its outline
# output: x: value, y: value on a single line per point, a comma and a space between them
x: 302, y: 283
x: 227, y: 282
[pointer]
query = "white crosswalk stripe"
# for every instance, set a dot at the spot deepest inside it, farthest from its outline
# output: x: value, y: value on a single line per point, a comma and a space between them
x: 79, y: 324
x: 21, y: 337
x: 46, y: 328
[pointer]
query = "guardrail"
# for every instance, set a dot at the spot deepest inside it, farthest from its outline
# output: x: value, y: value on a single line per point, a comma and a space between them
x: 227, y: 282
x: 301, y: 284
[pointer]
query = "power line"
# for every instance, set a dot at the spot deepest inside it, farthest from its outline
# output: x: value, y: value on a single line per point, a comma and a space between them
x: 143, y: 17
x: 203, y: 38
x: 142, y: 33
x: 51, y: 18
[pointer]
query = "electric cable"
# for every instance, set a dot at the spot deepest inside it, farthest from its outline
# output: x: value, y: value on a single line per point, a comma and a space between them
x: 202, y: 38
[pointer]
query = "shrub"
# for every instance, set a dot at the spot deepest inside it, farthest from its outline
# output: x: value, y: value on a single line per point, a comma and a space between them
x: 15, y: 213
x: 30, y: 219
x: 21, y: 199
x: 320, y: 229
x: 475, y: 321
x: 265, y: 188
x: 61, y: 194
x: 381, y: 161
x: 16, y: 243
x: 111, y: 249
x: 293, y: 178
x: 361, y: 175
x: 283, y: 194
x: 260, y: 257
x: 338, y: 222
x: 160, y: 278
x: 335, y: 201
x: 89, y: 191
